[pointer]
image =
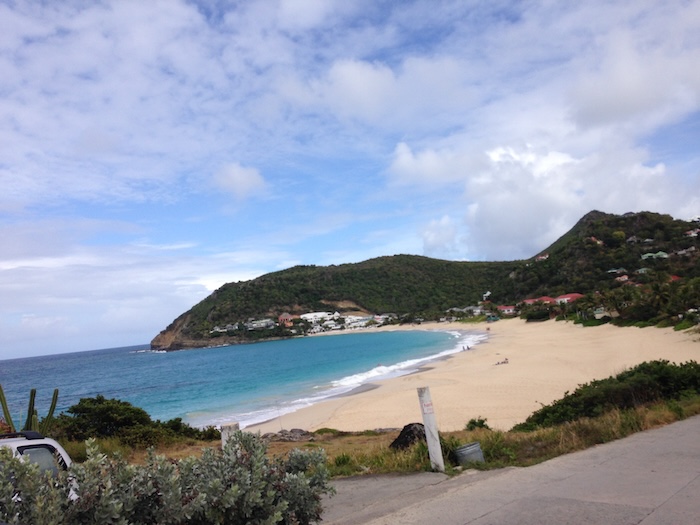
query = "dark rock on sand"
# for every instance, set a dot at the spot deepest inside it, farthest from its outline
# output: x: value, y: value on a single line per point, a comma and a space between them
x: 409, y: 435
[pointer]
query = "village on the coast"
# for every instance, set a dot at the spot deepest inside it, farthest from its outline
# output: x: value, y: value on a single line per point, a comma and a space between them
x: 319, y: 322
x: 325, y: 321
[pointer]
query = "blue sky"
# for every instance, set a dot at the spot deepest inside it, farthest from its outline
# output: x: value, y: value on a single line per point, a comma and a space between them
x: 152, y: 151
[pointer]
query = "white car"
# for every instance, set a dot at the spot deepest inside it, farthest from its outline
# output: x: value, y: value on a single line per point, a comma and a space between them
x: 31, y: 445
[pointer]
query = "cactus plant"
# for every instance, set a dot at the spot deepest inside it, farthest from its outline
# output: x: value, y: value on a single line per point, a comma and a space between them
x: 32, y: 420
x: 30, y: 411
x: 46, y: 423
x: 6, y: 411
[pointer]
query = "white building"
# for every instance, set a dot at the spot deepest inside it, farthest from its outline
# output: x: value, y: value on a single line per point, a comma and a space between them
x: 319, y: 317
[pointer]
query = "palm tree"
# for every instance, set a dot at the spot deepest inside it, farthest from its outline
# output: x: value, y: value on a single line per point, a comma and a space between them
x: 585, y: 305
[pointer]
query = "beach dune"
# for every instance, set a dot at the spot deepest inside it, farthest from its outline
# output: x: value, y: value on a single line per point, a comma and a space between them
x: 544, y: 361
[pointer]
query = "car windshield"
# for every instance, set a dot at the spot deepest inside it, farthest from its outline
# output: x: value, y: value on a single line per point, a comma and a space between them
x: 42, y: 455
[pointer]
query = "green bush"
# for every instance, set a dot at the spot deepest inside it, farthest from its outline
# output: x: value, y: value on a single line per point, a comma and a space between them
x: 98, y: 417
x: 647, y: 382
x: 479, y: 422
x: 145, y: 436
x: 235, y: 486
x: 101, y: 417
x: 537, y: 315
x: 496, y: 448
x: 449, y: 446
x: 685, y: 324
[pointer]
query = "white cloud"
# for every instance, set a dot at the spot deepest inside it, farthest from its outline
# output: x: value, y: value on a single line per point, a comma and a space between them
x: 435, y: 91
x: 362, y: 89
x: 440, y: 239
x: 636, y: 82
x: 434, y: 167
x: 474, y: 130
x: 239, y: 181
x: 302, y: 15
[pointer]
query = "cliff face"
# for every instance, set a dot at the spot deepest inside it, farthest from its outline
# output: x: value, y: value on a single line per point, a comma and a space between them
x: 175, y: 337
x: 172, y: 338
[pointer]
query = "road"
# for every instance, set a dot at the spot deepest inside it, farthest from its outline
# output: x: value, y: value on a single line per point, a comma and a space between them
x: 650, y: 478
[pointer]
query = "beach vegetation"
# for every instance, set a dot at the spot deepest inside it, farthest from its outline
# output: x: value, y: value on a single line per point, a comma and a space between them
x: 333, y: 431
x: 644, y: 397
x: 497, y: 449
x: 239, y: 484
x: 685, y: 324
x: 540, y: 314
x: 473, y: 319
x: 501, y: 448
x: 645, y: 383
x: 120, y: 424
x: 283, y: 482
x: 475, y: 423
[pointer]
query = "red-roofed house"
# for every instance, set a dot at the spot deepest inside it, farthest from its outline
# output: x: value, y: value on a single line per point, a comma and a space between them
x: 285, y: 320
x: 544, y: 299
x: 569, y: 298
x: 506, y: 310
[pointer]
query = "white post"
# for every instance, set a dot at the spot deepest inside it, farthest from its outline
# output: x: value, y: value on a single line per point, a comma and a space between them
x: 431, y: 430
x: 226, y: 431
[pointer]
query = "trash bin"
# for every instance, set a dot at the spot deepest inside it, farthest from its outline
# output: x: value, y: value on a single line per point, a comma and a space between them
x: 469, y: 453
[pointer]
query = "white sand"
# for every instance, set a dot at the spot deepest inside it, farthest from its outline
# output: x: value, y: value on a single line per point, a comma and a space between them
x: 545, y: 360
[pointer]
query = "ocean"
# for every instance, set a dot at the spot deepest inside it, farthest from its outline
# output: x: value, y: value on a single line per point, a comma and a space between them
x: 248, y: 383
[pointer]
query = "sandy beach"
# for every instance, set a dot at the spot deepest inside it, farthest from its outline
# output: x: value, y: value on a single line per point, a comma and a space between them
x: 545, y: 360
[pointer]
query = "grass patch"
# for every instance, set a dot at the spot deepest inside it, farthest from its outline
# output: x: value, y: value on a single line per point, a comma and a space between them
x: 354, y: 454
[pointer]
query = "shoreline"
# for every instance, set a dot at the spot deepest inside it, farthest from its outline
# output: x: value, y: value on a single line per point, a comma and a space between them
x: 544, y: 361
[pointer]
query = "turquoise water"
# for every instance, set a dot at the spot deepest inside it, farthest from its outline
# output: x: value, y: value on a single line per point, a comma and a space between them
x: 245, y: 383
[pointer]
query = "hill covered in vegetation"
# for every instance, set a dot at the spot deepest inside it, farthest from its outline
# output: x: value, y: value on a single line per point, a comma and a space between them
x: 609, y: 255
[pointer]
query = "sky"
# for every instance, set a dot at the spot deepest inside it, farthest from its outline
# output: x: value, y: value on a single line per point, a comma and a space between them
x: 152, y: 151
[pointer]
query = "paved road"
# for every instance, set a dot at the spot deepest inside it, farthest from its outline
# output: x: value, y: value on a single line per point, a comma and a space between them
x: 650, y: 478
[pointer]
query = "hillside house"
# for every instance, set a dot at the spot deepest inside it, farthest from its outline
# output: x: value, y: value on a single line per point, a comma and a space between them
x: 657, y: 255
x: 544, y: 299
x: 357, y: 321
x: 260, y: 324
x: 506, y: 310
x: 469, y: 310
x: 617, y: 270
x: 286, y: 320
x: 319, y: 317
x: 568, y: 298
x: 686, y: 252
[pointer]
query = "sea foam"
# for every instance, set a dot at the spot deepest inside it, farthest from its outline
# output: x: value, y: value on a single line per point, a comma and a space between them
x: 347, y: 384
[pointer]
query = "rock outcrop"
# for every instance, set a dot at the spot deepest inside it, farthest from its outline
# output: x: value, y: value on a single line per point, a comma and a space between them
x: 410, y: 434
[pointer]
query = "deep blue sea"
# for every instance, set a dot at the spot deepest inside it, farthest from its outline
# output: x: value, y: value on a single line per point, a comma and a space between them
x: 247, y: 383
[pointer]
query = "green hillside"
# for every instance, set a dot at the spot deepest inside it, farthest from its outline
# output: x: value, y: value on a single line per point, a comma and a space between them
x: 581, y: 261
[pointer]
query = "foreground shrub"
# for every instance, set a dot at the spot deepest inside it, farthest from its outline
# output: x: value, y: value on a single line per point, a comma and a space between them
x: 238, y: 485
